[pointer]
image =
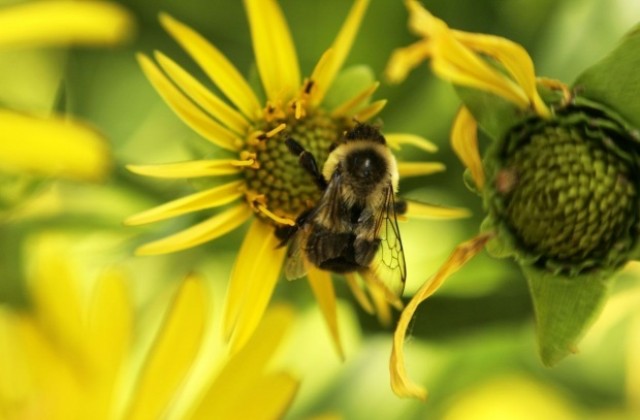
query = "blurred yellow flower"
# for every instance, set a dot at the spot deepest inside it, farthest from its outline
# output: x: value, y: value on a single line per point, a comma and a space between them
x: 72, y: 356
x: 57, y: 145
x: 272, y: 189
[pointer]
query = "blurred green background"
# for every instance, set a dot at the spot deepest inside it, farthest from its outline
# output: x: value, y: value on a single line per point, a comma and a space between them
x: 472, y: 344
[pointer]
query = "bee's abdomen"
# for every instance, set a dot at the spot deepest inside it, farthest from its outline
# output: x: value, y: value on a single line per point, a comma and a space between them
x: 339, y: 252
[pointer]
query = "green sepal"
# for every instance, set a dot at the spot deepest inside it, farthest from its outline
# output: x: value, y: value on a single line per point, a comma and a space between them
x: 564, y: 307
x: 615, y: 80
x: 495, y: 116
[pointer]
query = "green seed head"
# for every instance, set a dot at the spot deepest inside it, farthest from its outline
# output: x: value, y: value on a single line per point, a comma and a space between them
x: 287, y: 188
x: 566, y: 190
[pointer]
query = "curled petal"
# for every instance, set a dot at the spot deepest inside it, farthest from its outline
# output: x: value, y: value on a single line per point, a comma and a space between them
x: 400, y: 382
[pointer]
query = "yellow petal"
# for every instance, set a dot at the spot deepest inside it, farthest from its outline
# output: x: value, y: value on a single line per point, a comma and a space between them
x: 110, y: 322
x: 213, y: 197
x: 190, y: 169
x: 188, y: 112
x: 216, y: 66
x: 407, y: 169
x: 274, y: 50
x: 173, y: 352
x: 381, y: 304
x: 514, y: 58
x: 370, y: 111
x: 400, y: 382
x: 339, y: 51
x: 397, y: 140
x: 55, y: 292
x: 358, y: 293
x: 216, y: 107
x: 405, y: 59
x: 242, y: 272
x: 453, y: 61
x: 350, y: 105
x: 417, y: 210
x: 16, y: 380
x: 270, y: 398
x: 210, y: 229
x: 262, y: 272
x: 322, y: 287
x: 43, y: 23
x: 109, y: 336
x: 235, y: 384
x: 57, y: 375
x: 464, y: 141
x: 52, y: 146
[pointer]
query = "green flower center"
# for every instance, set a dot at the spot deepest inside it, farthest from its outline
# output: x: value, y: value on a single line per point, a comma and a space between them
x: 289, y: 190
x: 568, y: 191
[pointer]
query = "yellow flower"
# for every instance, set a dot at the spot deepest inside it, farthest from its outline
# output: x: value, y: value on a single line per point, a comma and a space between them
x: 77, y: 358
x: 270, y: 188
x: 57, y: 145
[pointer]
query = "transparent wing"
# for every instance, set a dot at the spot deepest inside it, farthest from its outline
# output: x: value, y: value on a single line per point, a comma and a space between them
x: 294, y: 267
x: 388, y: 266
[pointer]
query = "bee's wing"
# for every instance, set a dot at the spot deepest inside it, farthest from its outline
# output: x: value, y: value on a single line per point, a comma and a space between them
x: 388, y: 265
x: 295, y: 265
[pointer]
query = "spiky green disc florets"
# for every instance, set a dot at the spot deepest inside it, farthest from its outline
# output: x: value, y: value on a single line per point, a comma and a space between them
x: 287, y: 188
x: 566, y: 190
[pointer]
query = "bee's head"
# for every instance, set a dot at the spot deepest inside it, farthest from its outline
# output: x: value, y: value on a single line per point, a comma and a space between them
x: 365, y: 166
x: 364, y: 132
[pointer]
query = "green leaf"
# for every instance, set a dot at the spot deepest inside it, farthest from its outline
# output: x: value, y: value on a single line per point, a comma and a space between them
x: 565, y: 307
x: 615, y: 80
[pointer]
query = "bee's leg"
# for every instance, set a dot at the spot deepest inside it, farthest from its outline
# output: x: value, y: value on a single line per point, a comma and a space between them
x: 400, y: 206
x: 285, y: 233
x: 307, y: 162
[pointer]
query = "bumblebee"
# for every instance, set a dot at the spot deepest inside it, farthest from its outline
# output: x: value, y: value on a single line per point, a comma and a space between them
x: 353, y: 227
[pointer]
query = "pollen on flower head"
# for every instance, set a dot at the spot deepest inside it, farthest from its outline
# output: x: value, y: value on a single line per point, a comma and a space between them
x: 286, y: 189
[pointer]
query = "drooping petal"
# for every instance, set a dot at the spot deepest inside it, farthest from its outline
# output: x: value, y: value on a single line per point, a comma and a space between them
x: 53, y: 146
x: 358, y: 293
x: 64, y: 22
x: 416, y: 210
x: 253, y: 281
x: 190, y: 169
x: 274, y: 50
x: 271, y: 397
x: 173, y: 352
x: 210, y: 229
x: 405, y: 59
x: 188, y: 112
x: 407, y: 169
x: 400, y: 382
x: 213, y: 197
x: 514, y: 58
x: 16, y: 380
x: 339, y: 51
x: 216, y: 107
x: 322, y: 287
x: 353, y: 103
x: 464, y: 141
x: 397, y: 140
x: 246, y: 368
x: 216, y: 66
